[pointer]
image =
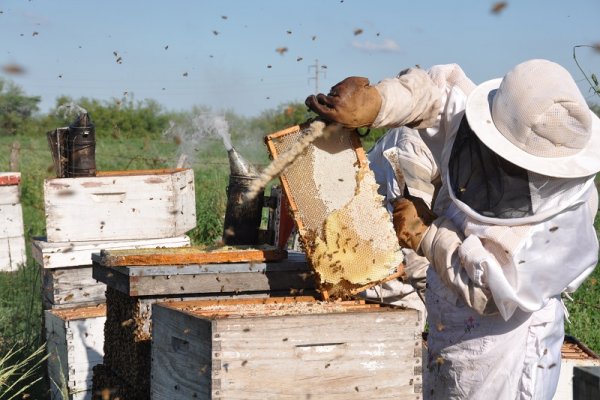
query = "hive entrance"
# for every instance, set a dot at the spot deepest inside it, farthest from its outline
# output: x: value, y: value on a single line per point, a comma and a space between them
x: 343, y: 225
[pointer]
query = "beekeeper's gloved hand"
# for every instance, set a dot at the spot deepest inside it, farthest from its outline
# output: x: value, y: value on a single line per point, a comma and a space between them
x: 411, y: 218
x: 352, y: 103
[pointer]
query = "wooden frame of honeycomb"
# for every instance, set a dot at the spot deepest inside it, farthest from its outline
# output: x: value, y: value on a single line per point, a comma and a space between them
x: 325, y: 179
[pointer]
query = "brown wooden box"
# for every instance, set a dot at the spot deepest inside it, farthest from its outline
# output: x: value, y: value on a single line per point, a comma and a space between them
x: 246, y: 350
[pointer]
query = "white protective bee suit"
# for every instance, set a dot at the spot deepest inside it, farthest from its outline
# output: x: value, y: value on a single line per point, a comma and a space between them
x: 515, y: 220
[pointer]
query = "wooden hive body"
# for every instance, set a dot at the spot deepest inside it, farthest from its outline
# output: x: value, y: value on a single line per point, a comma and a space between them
x: 75, y: 339
x: 364, y: 352
x: 67, y: 279
x: 12, y: 240
x: 120, y: 205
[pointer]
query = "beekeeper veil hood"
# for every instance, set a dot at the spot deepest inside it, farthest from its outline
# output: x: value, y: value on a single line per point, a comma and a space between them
x: 528, y: 143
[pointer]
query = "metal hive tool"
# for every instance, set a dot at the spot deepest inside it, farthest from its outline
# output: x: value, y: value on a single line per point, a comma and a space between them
x: 343, y: 225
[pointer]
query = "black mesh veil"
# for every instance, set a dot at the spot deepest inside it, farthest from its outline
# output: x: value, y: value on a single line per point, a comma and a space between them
x: 487, y: 183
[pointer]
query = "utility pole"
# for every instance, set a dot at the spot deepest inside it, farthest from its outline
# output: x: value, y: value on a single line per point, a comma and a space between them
x: 317, y: 73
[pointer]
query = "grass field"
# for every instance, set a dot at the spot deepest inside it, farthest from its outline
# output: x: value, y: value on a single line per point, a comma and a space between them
x: 20, y: 299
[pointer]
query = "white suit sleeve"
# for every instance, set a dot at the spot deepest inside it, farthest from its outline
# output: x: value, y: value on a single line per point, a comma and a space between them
x: 411, y: 99
x: 441, y: 246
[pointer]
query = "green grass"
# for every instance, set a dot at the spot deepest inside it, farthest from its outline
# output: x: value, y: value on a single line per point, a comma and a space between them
x: 584, y: 309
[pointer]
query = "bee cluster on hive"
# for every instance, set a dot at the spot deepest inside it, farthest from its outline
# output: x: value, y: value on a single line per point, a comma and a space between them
x: 345, y: 230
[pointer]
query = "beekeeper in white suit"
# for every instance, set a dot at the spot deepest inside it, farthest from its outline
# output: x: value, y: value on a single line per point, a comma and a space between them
x: 517, y: 158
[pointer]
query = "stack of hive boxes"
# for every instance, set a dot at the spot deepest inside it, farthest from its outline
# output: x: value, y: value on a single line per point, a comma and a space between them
x: 138, y: 279
x: 112, y: 210
x: 12, y: 242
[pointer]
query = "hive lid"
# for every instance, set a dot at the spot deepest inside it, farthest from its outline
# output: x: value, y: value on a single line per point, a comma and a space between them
x: 10, y: 178
x: 188, y: 255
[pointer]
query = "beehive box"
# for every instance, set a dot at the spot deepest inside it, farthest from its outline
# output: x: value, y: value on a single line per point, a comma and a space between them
x: 120, y: 205
x: 50, y: 255
x: 285, y: 349
x: 67, y: 278
x: 75, y: 340
x: 574, y: 354
x: 133, y: 289
x: 12, y: 241
x: 166, y: 275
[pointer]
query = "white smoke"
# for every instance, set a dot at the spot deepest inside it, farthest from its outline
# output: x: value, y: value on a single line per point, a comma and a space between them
x: 69, y: 110
x: 213, y: 125
x: 196, y: 132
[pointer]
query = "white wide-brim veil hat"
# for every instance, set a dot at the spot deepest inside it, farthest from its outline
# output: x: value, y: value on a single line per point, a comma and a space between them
x: 536, y: 117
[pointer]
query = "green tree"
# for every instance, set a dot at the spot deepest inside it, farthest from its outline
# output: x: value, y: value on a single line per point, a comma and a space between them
x: 16, y: 108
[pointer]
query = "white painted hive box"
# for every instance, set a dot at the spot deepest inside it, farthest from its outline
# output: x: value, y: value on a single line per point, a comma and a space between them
x: 75, y: 340
x: 349, y: 352
x: 12, y: 241
x: 50, y: 255
x: 120, y: 205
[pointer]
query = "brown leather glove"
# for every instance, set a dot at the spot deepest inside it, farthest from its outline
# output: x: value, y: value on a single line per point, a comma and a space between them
x: 352, y: 103
x: 411, y: 218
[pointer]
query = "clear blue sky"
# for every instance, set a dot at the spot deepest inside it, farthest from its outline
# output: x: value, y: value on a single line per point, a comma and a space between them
x: 66, y: 46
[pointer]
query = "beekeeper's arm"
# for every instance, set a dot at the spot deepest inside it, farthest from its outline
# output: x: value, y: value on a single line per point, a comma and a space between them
x: 412, y: 99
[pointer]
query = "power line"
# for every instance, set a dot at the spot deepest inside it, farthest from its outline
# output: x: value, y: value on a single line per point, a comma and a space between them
x: 316, y: 77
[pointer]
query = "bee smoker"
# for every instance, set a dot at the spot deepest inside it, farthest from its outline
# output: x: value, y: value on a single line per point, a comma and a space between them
x: 242, y: 216
x: 81, y: 147
x: 74, y: 148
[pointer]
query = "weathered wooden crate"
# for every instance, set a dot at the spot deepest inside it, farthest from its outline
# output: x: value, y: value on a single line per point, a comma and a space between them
x: 166, y: 275
x: 120, y: 205
x: 285, y: 349
x: 75, y: 340
x: 70, y: 287
x: 67, y: 279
